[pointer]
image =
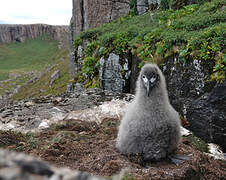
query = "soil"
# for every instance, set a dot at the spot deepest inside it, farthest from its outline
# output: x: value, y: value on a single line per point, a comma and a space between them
x: 87, y: 146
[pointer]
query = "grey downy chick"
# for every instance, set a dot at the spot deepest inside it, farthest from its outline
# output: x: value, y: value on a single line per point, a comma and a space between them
x: 150, y: 127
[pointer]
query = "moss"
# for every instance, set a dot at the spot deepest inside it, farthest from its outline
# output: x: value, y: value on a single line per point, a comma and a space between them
x: 197, y: 143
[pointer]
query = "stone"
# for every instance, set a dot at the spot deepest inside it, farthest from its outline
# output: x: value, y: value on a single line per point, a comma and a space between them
x: 143, y: 5
x: 29, y: 104
x: 216, y: 152
x: 54, y: 77
x: 15, y: 165
x: 7, y: 113
x: 17, y: 89
x: 39, y: 113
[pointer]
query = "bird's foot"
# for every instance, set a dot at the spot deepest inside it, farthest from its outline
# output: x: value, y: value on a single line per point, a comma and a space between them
x: 178, y: 159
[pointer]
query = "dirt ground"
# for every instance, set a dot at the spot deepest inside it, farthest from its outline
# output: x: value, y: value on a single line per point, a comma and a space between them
x: 87, y: 146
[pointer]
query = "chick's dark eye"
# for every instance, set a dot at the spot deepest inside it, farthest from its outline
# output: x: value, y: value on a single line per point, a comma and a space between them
x: 143, y: 76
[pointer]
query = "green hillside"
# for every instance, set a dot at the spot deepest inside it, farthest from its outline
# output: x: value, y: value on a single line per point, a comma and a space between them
x: 18, y: 60
x: 32, y: 55
x: 42, y: 86
x: 192, y: 32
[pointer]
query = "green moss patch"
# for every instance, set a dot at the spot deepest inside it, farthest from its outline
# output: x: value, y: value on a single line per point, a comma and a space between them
x: 197, y: 143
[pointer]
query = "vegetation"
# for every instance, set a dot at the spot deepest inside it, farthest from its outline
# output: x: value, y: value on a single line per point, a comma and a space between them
x: 18, y: 140
x: 133, y: 8
x: 42, y: 87
x: 193, y: 32
x: 22, y: 61
x: 32, y: 55
x: 198, y: 143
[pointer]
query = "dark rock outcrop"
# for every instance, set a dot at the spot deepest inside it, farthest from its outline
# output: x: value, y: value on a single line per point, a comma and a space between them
x: 144, y: 5
x: 207, y: 115
x: 19, y: 33
x: 200, y: 101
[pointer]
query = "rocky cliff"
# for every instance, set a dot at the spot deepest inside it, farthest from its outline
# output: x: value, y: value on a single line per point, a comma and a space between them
x: 89, y: 14
x: 92, y: 13
x: 19, y: 33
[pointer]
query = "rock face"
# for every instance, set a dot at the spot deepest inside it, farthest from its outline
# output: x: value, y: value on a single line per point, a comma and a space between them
x: 19, y: 33
x: 209, y: 111
x: 89, y: 14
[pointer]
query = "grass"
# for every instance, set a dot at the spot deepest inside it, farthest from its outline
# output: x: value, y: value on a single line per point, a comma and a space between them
x: 32, y: 55
x: 42, y: 87
x: 17, y: 60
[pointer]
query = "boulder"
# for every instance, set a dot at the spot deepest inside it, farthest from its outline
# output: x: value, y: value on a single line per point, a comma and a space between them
x: 54, y: 77
x: 114, y: 73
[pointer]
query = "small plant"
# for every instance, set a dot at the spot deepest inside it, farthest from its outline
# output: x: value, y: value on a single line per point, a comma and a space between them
x: 32, y: 141
x: 91, y: 67
x: 133, y: 8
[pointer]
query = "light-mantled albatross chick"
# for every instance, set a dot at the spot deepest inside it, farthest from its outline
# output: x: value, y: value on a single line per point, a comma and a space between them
x: 151, y: 126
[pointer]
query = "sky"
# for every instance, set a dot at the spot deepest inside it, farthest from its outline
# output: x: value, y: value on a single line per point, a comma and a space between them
x: 53, y: 12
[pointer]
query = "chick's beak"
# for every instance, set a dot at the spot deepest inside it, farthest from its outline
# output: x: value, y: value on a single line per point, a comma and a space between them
x: 148, y: 88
